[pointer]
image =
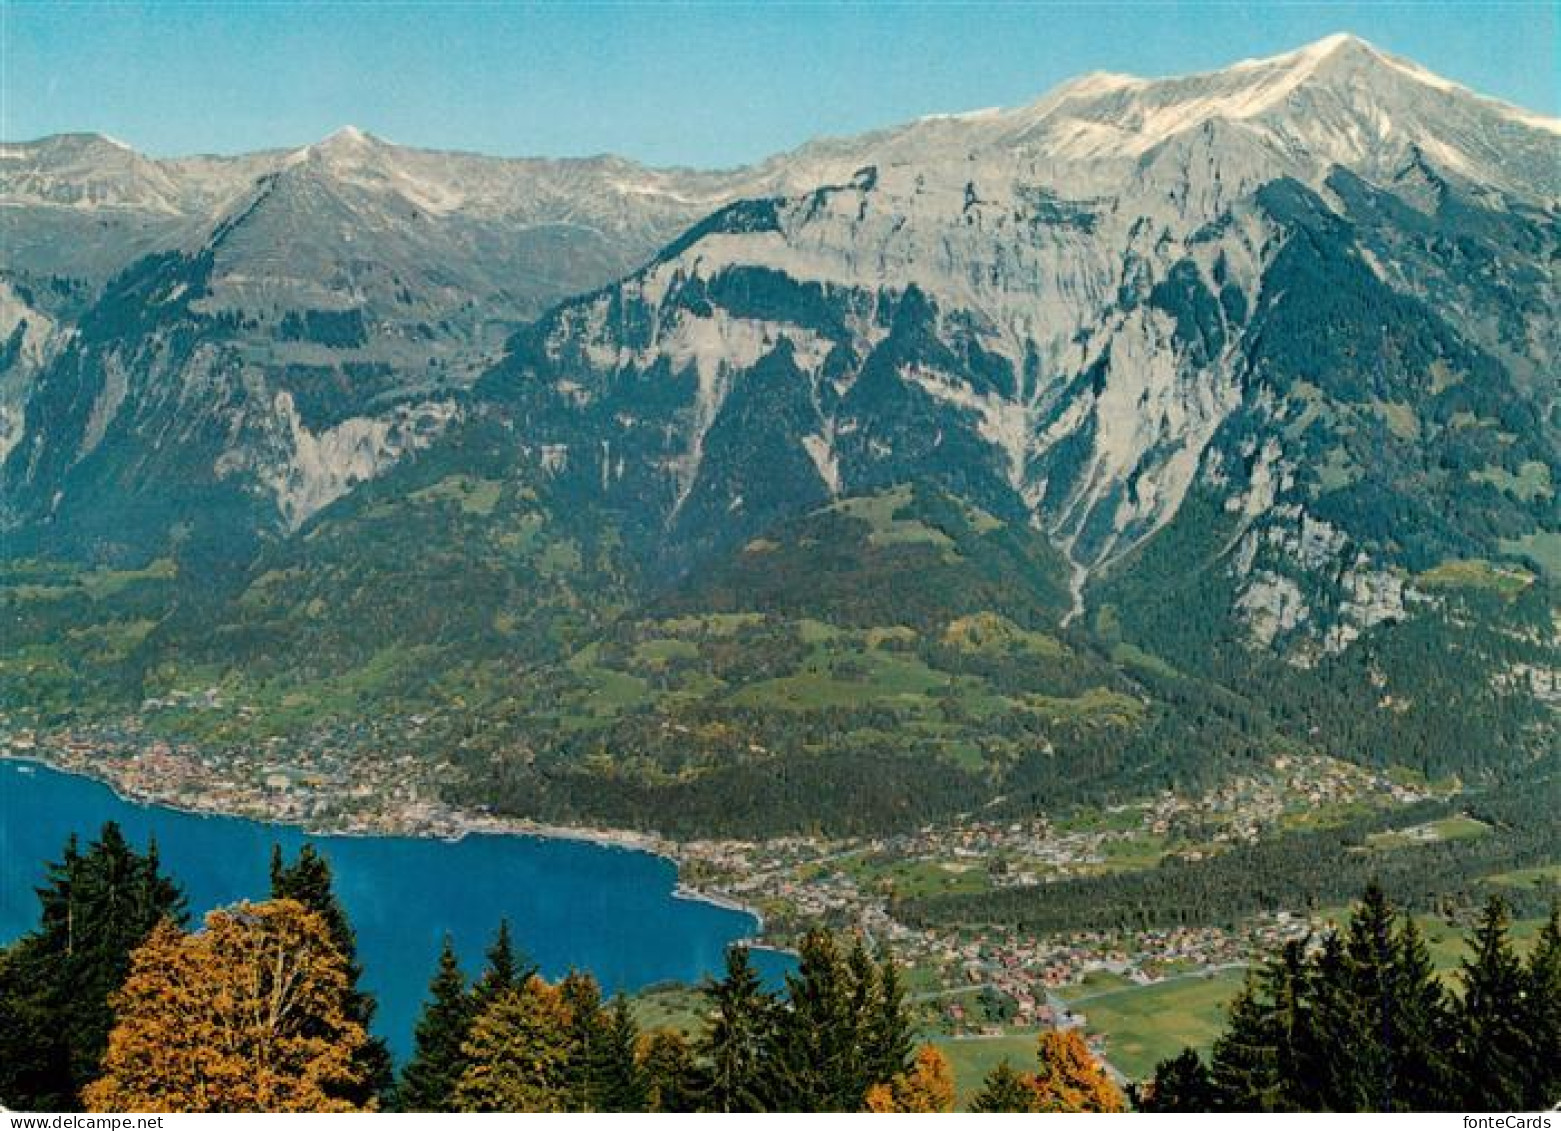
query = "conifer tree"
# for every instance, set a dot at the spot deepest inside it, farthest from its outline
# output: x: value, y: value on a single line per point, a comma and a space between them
x: 429, y: 1079
x: 737, y: 1040
x: 1245, y: 1062
x: 1370, y: 986
x: 861, y: 993
x: 1542, y: 1088
x: 890, y: 1033
x: 1181, y: 1083
x: 619, y: 1082
x: 1332, y: 1058
x: 504, y: 969
x: 308, y: 880
x: 811, y: 1066
x: 586, y: 1035
x: 95, y: 908
x: 672, y: 1079
x: 1493, y: 1050
x: 1005, y: 1090
x: 1423, y: 1068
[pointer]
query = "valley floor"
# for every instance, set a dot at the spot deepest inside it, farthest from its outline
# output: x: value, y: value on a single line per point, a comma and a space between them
x: 976, y: 987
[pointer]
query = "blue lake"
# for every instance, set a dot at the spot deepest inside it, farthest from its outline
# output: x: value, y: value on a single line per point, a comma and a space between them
x: 570, y: 904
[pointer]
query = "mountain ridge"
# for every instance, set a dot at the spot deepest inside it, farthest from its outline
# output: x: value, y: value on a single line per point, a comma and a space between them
x: 1239, y: 386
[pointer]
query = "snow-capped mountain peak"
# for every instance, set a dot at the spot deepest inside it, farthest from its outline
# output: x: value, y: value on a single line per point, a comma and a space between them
x: 1339, y: 101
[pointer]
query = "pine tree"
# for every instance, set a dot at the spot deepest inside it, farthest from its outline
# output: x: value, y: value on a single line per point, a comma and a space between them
x: 811, y: 1067
x: 583, y: 999
x: 890, y: 1033
x: 737, y: 1040
x: 861, y: 977
x: 504, y: 970
x: 1371, y: 981
x: 1542, y: 1088
x: 95, y: 909
x: 1333, y: 1058
x: 1423, y: 1068
x: 429, y: 1079
x: 308, y: 880
x: 1493, y: 1050
x: 619, y: 1082
x: 672, y: 1079
x: 1005, y: 1090
x: 1245, y: 1061
x: 1182, y: 1083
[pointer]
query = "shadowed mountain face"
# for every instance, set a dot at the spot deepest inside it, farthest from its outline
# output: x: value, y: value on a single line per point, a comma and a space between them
x: 1250, y: 373
x: 277, y: 326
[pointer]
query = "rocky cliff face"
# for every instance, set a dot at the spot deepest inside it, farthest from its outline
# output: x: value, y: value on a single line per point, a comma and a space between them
x: 1312, y: 290
x: 1074, y: 451
x: 1078, y: 312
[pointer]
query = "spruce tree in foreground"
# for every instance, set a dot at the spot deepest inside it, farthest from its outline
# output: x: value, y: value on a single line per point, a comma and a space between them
x: 1494, y: 1052
x: 1542, y: 1084
x: 1424, y: 1073
x: 95, y: 908
x: 1363, y: 1022
x: 618, y: 1081
x: 671, y: 1077
x: 586, y: 1036
x: 737, y: 1038
x: 1181, y: 1083
x: 504, y: 969
x: 429, y: 1079
x: 1004, y: 1090
x: 889, y: 1033
x: 812, y: 1064
x: 1244, y: 1064
x: 308, y: 880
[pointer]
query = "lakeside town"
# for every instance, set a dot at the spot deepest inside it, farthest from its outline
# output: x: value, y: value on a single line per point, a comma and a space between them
x: 969, y: 981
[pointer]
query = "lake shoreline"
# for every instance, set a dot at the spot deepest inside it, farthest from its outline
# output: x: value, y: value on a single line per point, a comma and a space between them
x: 454, y: 825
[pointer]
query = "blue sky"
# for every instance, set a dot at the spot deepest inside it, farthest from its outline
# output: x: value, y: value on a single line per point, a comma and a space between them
x: 703, y: 84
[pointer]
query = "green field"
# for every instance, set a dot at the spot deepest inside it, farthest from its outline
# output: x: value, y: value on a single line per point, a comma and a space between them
x: 1448, y: 828
x: 908, y: 879
x: 1144, y: 1025
x: 678, y: 1007
x: 1544, y: 875
x: 972, y: 1058
x: 1475, y: 573
x: 1544, y: 548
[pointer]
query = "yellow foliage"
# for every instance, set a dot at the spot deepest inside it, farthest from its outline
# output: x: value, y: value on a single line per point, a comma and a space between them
x: 518, y: 1052
x: 247, y: 1015
x: 927, y: 1088
x: 1069, y: 1080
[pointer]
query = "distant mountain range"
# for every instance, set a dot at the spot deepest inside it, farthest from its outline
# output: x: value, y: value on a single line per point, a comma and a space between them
x: 1007, y: 457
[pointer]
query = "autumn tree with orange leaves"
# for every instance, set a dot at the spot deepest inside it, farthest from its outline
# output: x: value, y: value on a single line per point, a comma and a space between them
x: 928, y: 1087
x: 249, y: 1014
x: 1067, y: 1079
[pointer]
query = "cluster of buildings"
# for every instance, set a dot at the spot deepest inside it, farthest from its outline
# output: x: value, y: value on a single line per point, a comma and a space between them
x: 797, y: 882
